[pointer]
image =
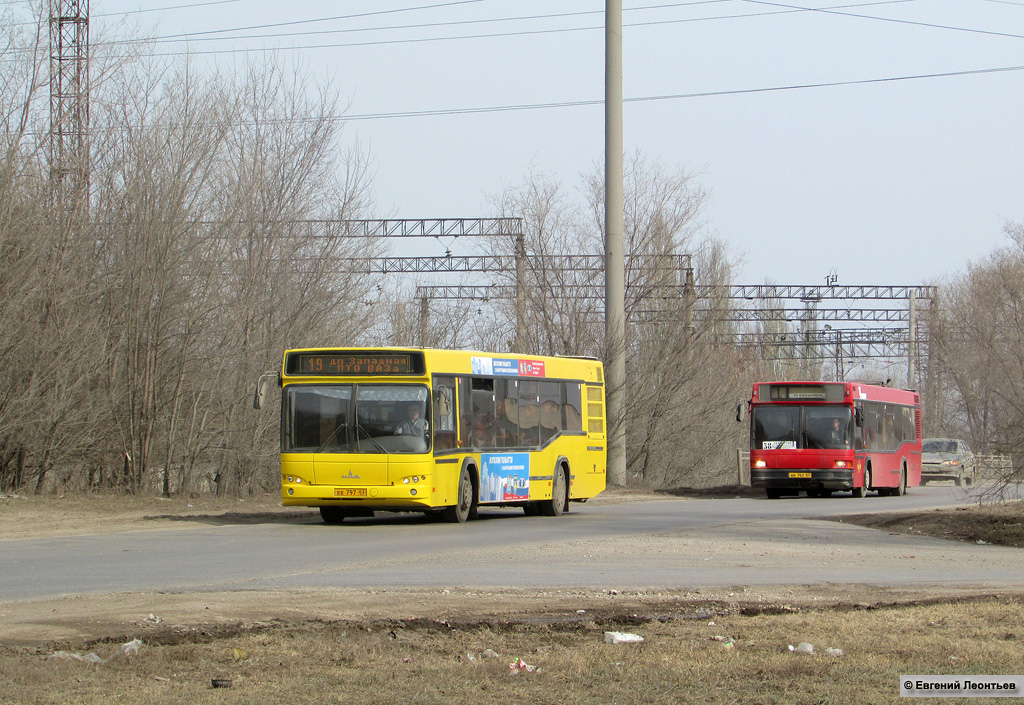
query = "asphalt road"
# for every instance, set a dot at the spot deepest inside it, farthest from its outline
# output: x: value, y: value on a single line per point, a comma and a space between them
x: 669, y: 544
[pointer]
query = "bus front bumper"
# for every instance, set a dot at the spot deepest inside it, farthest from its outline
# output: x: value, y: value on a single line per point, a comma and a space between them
x: 416, y: 498
x: 797, y: 479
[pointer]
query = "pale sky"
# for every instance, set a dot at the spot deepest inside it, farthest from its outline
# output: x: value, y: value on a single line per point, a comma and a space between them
x: 880, y: 181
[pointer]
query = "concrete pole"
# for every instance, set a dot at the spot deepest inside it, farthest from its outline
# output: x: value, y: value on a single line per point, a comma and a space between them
x: 398, y: 336
x: 424, y: 320
x: 614, y: 248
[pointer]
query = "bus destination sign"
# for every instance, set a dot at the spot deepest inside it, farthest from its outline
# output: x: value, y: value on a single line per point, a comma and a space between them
x: 802, y: 392
x: 350, y: 364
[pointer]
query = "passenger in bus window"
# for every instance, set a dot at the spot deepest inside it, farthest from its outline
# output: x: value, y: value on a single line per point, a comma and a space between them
x: 550, y: 419
x: 414, y: 426
x: 483, y: 432
x: 506, y: 423
x: 837, y: 435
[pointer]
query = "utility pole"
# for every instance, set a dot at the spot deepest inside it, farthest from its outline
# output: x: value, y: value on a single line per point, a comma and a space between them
x: 911, y: 341
x: 614, y: 248
x: 520, y: 258
x: 69, y: 105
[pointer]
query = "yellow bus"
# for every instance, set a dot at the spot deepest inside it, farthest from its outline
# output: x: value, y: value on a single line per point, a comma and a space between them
x: 449, y: 431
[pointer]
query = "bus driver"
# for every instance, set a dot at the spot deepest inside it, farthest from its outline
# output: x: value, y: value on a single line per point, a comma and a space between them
x: 414, y: 426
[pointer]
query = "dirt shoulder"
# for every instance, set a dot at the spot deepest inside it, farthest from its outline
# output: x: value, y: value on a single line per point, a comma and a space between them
x: 997, y: 524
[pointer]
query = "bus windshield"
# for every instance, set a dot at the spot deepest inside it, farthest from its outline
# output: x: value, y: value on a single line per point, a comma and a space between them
x: 801, y: 426
x: 365, y: 418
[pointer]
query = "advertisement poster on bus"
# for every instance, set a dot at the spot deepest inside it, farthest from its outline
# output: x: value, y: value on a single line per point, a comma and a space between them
x: 498, y: 367
x: 504, y: 477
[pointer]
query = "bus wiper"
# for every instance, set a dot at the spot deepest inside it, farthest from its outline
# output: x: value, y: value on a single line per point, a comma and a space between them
x: 330, y: 438
x: 371, y: 439
x: 784, y: 438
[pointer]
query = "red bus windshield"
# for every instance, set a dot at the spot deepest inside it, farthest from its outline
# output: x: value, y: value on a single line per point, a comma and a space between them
x: 800, y: 426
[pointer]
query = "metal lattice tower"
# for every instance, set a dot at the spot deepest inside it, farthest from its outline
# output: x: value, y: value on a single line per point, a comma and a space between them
x: 69, y: 102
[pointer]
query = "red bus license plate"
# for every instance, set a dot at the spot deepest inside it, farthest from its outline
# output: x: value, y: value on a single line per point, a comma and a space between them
x: 806, y: 475
x: 343, y: 492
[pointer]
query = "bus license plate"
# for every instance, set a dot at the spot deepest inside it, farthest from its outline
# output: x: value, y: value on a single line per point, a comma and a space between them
x: 343, y: 492
x: 805, y: 475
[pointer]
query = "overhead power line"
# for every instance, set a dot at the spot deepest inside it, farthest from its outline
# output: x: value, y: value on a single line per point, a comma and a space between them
x: 225, y: 2
x: 641, y: 99
x: 677, y: 96
x: 560, y: 30
x: 165, y: 8
x: 917, y: 23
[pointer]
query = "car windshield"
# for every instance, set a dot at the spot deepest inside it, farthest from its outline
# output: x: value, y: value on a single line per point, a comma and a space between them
x: 938, y: 446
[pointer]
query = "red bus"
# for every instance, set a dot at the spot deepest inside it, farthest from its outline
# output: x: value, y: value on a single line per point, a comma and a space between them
x: 819, y: 437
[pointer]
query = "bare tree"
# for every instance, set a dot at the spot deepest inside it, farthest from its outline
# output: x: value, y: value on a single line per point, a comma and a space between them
x: 977, y: 342
x: 682, y: 379
x: 287, y: 283
x: 132, y: 338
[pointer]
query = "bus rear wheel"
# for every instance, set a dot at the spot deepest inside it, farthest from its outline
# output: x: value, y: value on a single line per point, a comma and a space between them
x: 901, y: 490
x: 559, y: 495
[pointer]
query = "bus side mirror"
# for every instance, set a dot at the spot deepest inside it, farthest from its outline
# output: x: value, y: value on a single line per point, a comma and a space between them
x: 739, y: 412
x: 858, y: 418
x: 261, y: 390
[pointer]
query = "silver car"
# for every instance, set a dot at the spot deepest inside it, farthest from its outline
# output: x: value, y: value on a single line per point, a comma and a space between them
x: 947, y: 459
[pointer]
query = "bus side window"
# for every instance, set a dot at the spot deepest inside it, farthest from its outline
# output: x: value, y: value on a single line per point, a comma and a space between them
x: 465, y: 404
x: 482, y: 433
x: 909, y: 434
x: 573, y: 408
x: 506, y: 418
x: 444, y: 413
x: 529, y: 413
x: 550, y: 410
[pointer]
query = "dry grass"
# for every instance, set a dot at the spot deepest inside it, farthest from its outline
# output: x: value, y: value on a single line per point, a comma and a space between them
x: 426, y: 661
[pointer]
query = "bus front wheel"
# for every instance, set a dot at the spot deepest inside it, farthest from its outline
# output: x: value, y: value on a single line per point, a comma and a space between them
x: 332, y: 515
x: 861, y: 492
x: 460, y: 512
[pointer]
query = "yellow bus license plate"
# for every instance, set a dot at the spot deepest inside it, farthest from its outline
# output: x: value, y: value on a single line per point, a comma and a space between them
x: 342, y: 492
x: 806, y: 475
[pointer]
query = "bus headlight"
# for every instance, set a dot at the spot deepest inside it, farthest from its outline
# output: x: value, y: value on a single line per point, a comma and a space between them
x: 760, y: 464
x: 405, y: 480
x: 842, y: 464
